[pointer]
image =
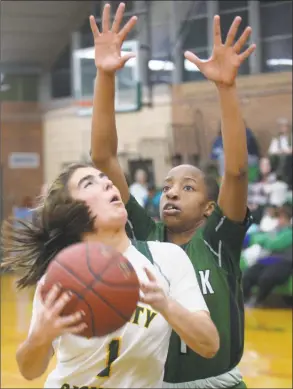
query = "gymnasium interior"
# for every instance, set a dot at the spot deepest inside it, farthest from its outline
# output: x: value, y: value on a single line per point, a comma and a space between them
x: 167, y: 113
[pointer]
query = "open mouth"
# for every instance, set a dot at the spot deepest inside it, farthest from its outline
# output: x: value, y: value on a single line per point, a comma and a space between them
x: 170, y: 207
x: 115, y: 199
x: 171, y: 210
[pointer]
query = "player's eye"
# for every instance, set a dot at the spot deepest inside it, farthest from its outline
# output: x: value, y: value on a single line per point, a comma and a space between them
x: 88, y: 183
x: 103, y: 176
x: 166, y: 188
x: 188, y: 188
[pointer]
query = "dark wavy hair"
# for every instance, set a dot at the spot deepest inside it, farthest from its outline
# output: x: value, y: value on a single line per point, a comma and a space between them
x: 58, y: 222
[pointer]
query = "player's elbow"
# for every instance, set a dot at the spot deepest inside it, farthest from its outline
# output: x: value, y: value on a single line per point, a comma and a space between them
x: 28, y: 376
x: 31, y: 366
x: 207, y: 340
x: 210, y: 350
x: 211, y: 345
x: 28, y: 373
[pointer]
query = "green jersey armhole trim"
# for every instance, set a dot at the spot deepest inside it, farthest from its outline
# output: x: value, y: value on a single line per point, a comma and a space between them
x: 218, y: 254
x: 143, y: 248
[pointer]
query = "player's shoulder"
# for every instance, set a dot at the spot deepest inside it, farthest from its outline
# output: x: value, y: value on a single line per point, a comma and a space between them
x: 165, y: 251
x: 171, y: 259
x: 157, y: 232
x: 157, y: 245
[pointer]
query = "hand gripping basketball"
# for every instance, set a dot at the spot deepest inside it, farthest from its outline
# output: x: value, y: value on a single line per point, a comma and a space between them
x: 153, y: 294
x: 49, y: 323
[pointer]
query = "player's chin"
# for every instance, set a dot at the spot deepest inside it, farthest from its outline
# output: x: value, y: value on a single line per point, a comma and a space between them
x: 114, y: 217
x: 120, y: 214
x: 172, y: 221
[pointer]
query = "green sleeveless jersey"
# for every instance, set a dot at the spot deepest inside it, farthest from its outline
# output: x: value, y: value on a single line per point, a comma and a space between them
x: 214, y: 251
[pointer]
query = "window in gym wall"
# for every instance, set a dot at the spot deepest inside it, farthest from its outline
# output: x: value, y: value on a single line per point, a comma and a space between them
x: 275, y: 18
x: 195, y: 38
x: 15, y: 87
x: 61, y: 75
x: 277, y: 54
x: 276, y: 35
x: 227, y: 6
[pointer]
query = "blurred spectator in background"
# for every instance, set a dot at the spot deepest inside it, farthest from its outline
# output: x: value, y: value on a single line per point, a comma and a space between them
x: 152, y: 203
x: 259, y: 191
x: 24, y: 211
x: 217, y: 152
x: 139, y: 189
x: 269, y: 221
x: 278, y: 191
x: 282, y: 143
x: 210, y: 168
x: 218, y: 149
x: 269, y: 258
x: 280, y: 151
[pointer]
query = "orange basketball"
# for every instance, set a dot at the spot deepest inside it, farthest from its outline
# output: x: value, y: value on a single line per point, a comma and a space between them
x: 103, y: 284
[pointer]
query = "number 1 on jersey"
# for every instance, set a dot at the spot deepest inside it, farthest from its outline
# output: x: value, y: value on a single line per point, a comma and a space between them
x: 183, y: 347
x: 112, y: 354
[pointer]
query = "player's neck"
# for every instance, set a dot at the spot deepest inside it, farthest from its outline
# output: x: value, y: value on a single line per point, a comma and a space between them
x: 183, y: 237
x: 117, y: 239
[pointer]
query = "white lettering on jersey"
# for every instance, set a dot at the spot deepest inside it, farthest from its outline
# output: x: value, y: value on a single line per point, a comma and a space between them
x: 206, y: 289
x: 205, y: 282
x: 183, y: 347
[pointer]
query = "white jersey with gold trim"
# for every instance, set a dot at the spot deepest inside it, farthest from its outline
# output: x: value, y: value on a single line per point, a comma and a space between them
x: 134, y: 356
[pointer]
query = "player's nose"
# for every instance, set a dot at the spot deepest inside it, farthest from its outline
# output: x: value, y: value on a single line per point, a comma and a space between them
x: 172, y: 193
x: 108, y: 184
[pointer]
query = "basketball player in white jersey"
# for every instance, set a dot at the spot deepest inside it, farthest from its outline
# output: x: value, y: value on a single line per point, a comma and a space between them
x: 83, y: 205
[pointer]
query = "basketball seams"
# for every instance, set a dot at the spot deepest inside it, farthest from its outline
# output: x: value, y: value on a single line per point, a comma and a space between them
x: 101, y: 286
x: 99, y: 277
x: 121, y: 286
x: 89, y: 288
x: 79, y: 296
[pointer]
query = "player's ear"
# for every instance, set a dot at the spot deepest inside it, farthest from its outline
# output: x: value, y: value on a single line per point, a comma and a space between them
x: 209, y: 209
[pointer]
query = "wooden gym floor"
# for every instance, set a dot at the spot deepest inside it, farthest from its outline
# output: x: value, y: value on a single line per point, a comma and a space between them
x: 267, y: 361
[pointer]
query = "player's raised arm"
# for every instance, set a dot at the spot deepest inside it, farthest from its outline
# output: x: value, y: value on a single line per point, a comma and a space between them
x: 108, y: 60
x: 221, y: 68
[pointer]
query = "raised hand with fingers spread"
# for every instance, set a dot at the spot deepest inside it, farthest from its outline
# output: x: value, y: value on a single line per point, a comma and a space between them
x: 108, y: 42
x: 222, y: 67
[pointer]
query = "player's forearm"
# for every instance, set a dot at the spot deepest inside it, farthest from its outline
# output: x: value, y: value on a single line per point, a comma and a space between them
x: 33, y: 357
x: 196, y: 329
x: 233, y: 132
x: 104, y: 137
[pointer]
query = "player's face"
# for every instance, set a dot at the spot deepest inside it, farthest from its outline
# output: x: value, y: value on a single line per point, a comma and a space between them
x: 184, y: 200
x: 101, y: 196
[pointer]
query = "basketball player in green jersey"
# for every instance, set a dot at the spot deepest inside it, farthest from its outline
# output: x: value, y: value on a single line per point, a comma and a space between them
x: 208, y: 224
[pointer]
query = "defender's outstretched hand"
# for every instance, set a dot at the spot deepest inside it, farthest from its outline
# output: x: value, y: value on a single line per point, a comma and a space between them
x: 108, y: 43
x: 222, y: 67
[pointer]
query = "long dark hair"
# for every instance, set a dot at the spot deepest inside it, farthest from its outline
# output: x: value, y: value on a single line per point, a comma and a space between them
x: 57, y: 222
